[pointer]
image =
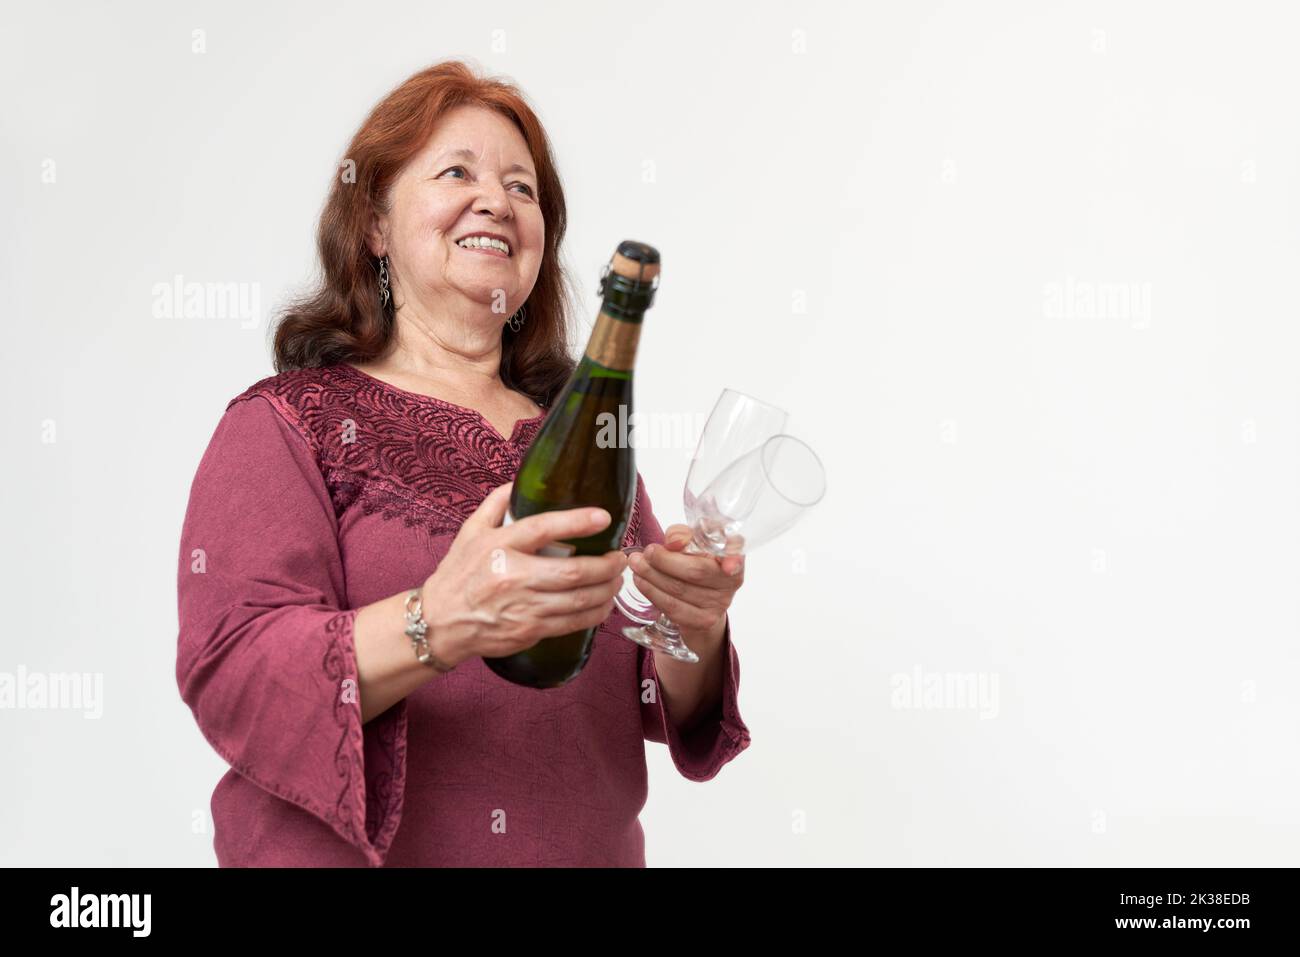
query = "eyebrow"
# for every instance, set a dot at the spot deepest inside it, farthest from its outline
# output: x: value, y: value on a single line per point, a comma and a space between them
x: 469, y: 154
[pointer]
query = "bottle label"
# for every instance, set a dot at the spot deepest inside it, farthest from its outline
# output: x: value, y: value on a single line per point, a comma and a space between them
x: 613, y: 342
x: 553, y: 550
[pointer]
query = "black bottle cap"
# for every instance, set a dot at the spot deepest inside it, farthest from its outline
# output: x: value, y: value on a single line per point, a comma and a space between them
x: 628, y: 284
x: 638, y: 252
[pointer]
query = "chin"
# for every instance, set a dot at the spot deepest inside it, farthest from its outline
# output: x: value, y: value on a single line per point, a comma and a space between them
x: 486, y: 293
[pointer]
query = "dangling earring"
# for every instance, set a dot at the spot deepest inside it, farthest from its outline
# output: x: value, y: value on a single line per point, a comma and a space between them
x: 384, y: 295
x: 517, y: 320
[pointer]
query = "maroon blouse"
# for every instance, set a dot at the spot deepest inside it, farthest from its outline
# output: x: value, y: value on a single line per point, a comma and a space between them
x: 323, y: 490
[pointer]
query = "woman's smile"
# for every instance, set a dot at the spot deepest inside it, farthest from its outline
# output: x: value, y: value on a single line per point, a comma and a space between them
x: 482, y: 251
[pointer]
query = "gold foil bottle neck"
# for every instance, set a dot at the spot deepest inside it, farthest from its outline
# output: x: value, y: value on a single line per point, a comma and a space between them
x: 613, y: 342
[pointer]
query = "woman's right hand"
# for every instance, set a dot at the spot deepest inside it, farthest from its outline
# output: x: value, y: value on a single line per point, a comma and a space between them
x: 491, y: 596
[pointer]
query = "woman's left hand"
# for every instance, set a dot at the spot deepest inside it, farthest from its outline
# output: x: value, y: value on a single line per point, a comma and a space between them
x: 695, y: 591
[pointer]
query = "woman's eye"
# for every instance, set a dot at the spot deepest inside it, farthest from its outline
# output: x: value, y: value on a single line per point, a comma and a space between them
x: 462, y: 169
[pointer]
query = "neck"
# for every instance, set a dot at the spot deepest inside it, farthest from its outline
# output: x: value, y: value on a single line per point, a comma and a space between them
x: 461, y: 353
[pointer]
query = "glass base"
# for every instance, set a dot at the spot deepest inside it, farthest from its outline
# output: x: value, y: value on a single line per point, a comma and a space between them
x: 657, y: 639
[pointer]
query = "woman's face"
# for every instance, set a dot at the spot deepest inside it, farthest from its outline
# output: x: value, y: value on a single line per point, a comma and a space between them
x: 474, y: 176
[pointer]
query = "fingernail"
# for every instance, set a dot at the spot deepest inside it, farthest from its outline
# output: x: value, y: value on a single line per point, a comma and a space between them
x: 600, y: 515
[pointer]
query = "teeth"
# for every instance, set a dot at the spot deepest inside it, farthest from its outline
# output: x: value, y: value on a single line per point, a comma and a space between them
x: 480, y: 242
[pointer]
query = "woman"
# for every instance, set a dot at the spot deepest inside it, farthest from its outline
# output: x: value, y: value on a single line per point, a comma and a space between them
x: 373, y: 470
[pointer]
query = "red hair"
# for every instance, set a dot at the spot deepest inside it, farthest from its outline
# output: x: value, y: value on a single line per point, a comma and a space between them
x: 340, y: 318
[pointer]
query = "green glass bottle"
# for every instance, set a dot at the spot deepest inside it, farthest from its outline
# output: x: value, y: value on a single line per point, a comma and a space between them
x: 582, y: 455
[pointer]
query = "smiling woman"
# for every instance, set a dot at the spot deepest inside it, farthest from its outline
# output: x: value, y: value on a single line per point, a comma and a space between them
x: 446, y: 156
x: 344, y: 568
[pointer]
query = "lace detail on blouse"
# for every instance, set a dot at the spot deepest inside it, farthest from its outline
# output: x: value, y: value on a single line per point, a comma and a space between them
x: 403, y: 456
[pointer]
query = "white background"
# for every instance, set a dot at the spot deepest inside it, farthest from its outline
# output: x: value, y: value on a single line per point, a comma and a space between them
x: 869, y: 214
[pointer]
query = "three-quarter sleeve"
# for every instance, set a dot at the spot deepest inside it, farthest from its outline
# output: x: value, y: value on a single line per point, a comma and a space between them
x: 265, y: 654
x: 702, y: 750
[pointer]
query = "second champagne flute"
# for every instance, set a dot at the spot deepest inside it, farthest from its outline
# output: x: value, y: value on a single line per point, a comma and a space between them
x: 738, y: 423
x: 750, y: 502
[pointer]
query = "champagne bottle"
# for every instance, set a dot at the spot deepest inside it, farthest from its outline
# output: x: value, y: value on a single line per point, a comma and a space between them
x: 581, y: 456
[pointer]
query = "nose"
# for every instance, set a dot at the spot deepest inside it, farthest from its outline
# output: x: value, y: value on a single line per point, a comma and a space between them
x: 492, y: 199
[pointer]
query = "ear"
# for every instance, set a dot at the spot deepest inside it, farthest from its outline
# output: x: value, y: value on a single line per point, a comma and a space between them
x: 377, y: 235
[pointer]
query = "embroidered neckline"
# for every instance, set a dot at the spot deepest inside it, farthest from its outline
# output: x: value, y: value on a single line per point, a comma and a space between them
x: 420, y: 459
x: 417, y: 398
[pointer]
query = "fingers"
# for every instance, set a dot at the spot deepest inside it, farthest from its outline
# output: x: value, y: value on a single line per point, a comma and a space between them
x: 492, y: 510
x: 543, y: 573
x: 699, y: 595
x: 564, y: 624
x: 733, y: 564
x: 702, y: 571
x: 684, y: 612
x: 576, y: 601
x: 676, y: 537
x: 531, y: 533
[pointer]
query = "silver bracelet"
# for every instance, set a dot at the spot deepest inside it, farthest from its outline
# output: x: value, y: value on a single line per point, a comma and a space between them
x: 416, y: 630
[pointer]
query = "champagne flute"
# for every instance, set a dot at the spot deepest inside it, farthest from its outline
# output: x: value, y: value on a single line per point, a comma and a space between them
x: 753, y: 500
x: 737, y: 424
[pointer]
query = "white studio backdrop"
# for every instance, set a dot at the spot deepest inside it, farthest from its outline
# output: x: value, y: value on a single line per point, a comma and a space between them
x: 1023, y: 273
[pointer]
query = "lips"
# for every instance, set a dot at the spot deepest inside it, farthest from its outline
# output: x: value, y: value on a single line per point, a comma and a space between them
x: 484, y: 238
x: 495, y: 253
